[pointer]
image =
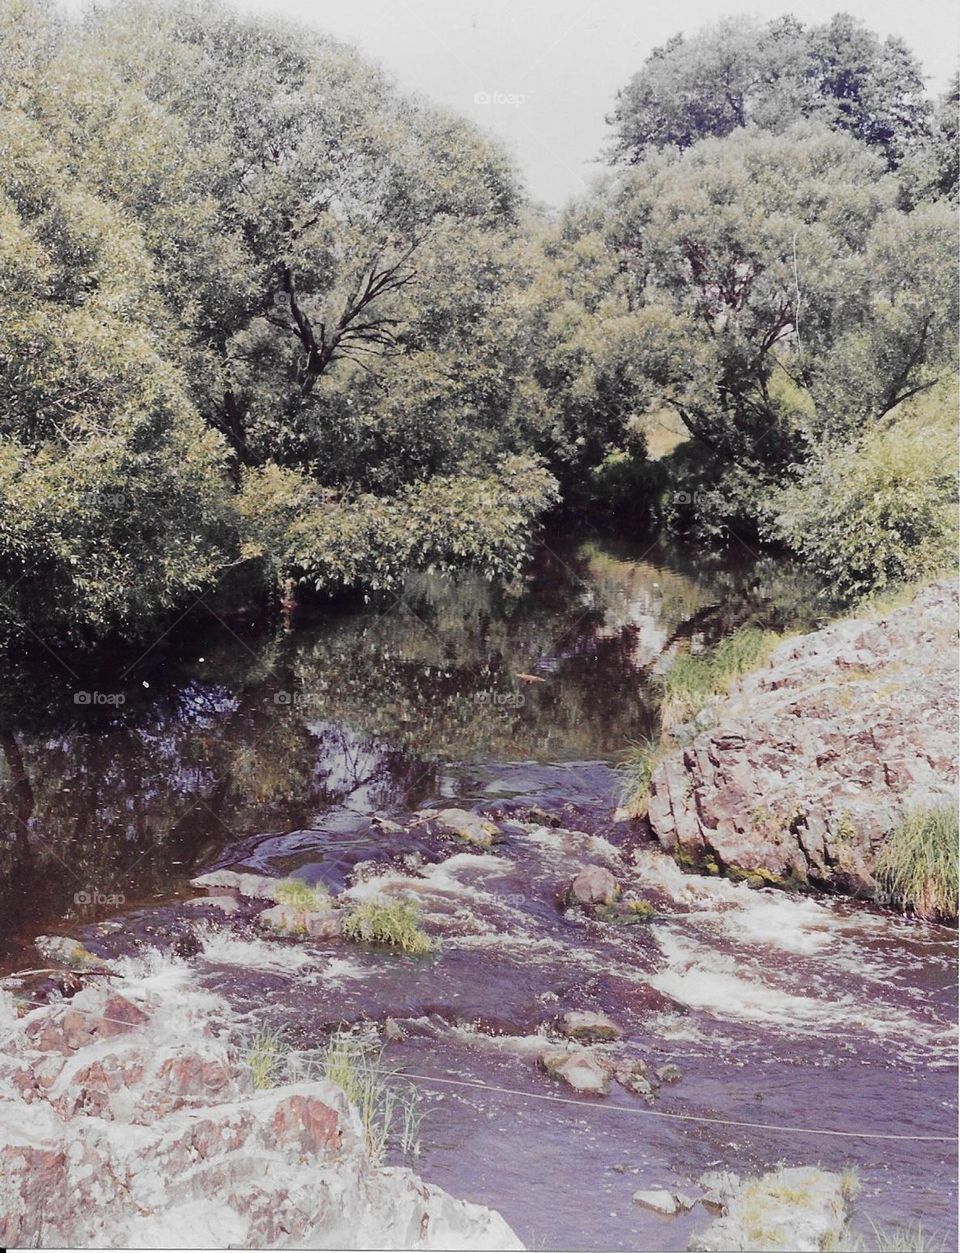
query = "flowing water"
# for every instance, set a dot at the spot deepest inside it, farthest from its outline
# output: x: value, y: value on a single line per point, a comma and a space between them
x: 229, y: 742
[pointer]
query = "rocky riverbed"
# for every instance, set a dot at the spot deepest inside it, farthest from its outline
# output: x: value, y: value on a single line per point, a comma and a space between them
x: 814, y: 758
x: 128, y: 1119
x: 609, y: 1049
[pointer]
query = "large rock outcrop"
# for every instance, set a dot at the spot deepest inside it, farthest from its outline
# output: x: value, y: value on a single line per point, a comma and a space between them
x: 127, y: 1119
x: 813, y: 759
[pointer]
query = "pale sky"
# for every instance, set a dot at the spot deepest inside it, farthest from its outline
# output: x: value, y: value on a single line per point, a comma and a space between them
x: 541, y: 74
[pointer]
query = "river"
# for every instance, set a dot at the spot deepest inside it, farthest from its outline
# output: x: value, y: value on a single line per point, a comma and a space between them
x: 231, y: 742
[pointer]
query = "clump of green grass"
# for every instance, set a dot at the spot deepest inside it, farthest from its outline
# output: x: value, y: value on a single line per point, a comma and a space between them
x: 266, y: 1055
x: 905, y: 1240
x: 388, y: 922
x: 850, y: 1183
x: 696, y: 680
x: 637, y: 771
x: 300, y: 896
x: 385, y: 1106
x: 917, y: 867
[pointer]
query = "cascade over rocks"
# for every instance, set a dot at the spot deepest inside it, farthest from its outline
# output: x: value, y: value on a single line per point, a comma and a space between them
x: 813, y: 759
x: 128, y: 1119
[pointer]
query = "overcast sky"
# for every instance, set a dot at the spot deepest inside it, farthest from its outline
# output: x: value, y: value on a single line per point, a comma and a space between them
x: 541, y: 74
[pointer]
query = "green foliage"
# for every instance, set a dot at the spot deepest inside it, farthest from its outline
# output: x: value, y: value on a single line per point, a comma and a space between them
x: 871, y: 516
x: 784, y: 296
x: 231, y: 252
x: 445, y: 523
x: 917, y: 866
x: 112, y: 490
x: 394, y: 923
x: 300, y: 896
x: 695, y: 680
x: 637, y: 771
x: 743, y: 73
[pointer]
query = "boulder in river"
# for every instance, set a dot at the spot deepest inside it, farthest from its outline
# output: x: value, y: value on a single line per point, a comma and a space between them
x: 318, y: 924
x: 587, y: 1025
x: 227, y: 904
x: 800, y: 1209
x: 594, y: 885
x: 814, y: 758
x: 669, y: 1073
x: 236, y: 883
x: 658, y: 1200
x: 469, y: 827
x: 633, y: 1076
x: 64, y: 951
x: 578, y: 1068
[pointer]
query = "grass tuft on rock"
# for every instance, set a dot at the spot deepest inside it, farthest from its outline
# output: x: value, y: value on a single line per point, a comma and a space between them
x: 266, y: 1055
x: 917, y: 867
x: 637, y: 770
x: 389, y: 1110
x: 300, y: 896
x: 695, y: 680
x: 902, y: 1240
x: 395, y: 923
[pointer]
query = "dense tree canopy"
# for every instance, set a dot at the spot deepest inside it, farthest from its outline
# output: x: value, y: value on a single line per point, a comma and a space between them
x: 262, y: 316
x: 788, y: 298
x: 742, y: 72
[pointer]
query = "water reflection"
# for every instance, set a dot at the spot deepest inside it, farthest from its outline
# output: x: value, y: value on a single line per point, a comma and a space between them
x: 219, y: 732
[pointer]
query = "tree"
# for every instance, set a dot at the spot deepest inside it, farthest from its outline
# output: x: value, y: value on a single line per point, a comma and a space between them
x: 741, y: 73
x: 789, y: 306
x: 230, y: 246
x: 112, y: 490
x: 289, y: 196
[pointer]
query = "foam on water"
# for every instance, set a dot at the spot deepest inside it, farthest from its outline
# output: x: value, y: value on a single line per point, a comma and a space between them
x: 440, y: 877
x: 221, y: 948
x: 726, y: 988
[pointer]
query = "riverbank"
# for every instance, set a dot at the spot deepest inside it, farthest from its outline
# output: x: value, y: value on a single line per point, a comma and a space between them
x: 812, y: 766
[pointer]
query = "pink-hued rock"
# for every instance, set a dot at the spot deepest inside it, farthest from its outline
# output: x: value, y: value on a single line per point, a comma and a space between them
x: 594, y: 885
x: 128, y: 1118
x: 813, y: 759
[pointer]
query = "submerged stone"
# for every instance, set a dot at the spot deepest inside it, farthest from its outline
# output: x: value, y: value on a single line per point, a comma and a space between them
x: 577, y: 1068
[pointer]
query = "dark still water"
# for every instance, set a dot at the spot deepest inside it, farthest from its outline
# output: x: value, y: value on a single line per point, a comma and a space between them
x: 237, y: 744
x: 121, y: 774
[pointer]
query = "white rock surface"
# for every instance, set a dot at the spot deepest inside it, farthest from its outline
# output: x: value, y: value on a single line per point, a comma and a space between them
x: 799, y: 1209
x: 129, y: 1120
